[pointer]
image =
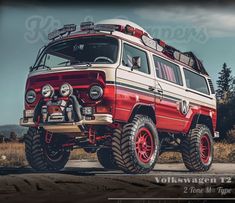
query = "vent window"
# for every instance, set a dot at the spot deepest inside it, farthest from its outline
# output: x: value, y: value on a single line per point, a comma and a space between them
x: 211, y: 86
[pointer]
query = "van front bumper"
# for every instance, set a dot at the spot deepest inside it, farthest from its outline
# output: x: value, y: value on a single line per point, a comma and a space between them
x: 56, y: 127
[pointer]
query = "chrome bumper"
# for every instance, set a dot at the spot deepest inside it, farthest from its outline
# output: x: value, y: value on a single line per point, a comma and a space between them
x: 99, y: 119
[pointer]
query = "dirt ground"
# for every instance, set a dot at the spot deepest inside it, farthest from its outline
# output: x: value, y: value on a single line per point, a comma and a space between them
x: 13, y: 154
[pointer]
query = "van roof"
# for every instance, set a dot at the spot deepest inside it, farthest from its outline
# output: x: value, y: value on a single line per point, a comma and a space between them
x: 133, y: 33
x: 123, y: 23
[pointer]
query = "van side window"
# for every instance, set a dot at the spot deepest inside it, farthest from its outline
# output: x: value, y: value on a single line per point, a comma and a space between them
x: 167, y: 71
x: 196, y: 82
x: 129, y: 52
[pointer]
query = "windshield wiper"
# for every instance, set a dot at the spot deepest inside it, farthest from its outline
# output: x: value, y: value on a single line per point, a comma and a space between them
x: 79, y: 64
x: 41, y: 65
x: 76, y: 64
x: 65, y: 62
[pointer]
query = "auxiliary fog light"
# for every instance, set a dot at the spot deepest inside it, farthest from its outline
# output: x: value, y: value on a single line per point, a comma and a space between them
x: 66, y: 90
x: 47, y: 91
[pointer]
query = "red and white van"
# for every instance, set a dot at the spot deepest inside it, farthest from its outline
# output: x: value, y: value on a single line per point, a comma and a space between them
x: 112, y: 89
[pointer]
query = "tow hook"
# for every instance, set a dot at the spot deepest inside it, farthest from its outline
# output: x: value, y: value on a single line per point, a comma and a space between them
x: 91, y: 136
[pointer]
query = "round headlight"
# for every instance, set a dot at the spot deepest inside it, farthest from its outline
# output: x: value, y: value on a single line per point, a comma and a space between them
x: 66, y: 90
x: 96, y: 92
x: 47, y: 91
x: 30, y: 96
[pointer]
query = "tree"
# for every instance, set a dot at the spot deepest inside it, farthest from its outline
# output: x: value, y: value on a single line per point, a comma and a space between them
x: 226, y: 118
x: 226, y: 102
x: 1, y: 138
x: 225, y: 85
x: 233, y: 88
x: 13, y: 136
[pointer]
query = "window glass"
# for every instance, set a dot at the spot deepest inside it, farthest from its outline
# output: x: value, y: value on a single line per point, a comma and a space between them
x: 129, y: 52
x: 95, y: 49
x: 167, y: 71
x: 51, y: 60
x: 211, y: 86
x: 196, y: 82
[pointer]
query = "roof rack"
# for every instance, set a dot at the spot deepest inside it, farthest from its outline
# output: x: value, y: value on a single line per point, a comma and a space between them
x: 59, y: 33
x: 198, y: 66
x: 187, y: 58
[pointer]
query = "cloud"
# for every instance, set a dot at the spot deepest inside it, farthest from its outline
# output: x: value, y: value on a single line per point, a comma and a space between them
x: 219, y: 22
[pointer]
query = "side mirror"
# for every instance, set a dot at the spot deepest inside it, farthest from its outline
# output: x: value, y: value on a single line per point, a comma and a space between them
x: 136, y: 62
x: 30, y: 68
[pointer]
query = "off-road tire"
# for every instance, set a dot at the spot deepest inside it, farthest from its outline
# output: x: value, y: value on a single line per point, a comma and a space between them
x: 124, y: 146
x: 191, y: 151
x: 36, y: 156
x: 106, y: 159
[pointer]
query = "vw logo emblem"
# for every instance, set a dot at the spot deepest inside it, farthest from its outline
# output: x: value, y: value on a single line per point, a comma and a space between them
x: 184, y: 107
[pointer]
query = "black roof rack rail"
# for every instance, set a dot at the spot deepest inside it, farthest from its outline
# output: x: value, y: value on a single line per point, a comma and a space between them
x: 189, y: 58
x: 198, y: 66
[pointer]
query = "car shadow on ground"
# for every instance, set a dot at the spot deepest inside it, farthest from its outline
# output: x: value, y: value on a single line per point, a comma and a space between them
x: 68, y: 170
x: 83, y: 171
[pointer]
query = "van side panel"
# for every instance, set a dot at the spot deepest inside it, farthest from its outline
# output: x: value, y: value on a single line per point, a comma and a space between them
x: 127, y: 99
x: 168, y: 116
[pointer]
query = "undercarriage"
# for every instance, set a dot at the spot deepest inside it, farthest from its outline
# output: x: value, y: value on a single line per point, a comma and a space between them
x: 59, y: 125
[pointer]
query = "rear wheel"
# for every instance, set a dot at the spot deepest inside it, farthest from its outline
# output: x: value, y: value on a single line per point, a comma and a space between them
x: 136, y: 146
x: 197, y: 149
x: 106, y: 159
x: 44, y: 156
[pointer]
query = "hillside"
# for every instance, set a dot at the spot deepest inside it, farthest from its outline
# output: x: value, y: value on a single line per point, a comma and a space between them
x: 7, y: 129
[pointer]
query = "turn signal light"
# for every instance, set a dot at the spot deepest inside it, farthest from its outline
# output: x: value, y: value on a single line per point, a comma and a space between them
x: 103, y: 109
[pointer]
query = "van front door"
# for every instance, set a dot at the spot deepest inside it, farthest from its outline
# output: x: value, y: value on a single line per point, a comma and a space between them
x: 134, y: 86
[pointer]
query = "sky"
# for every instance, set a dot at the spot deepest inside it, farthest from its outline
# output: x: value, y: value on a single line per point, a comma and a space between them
x: 208, y: 31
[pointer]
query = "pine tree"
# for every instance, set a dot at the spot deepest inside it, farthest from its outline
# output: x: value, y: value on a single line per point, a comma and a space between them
x: 224, y: 82
x: 13, y: 136
x: 226, y: 103
x: 233, y: 88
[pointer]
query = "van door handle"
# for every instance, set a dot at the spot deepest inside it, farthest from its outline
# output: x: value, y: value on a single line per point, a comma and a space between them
x: 151, y: 88
x: 160, y: 91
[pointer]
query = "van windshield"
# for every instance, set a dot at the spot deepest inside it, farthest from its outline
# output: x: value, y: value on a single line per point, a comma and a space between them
x: 83, y: 50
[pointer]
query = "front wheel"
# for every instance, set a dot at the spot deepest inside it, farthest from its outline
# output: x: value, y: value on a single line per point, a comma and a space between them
x: 136, y: 146
x: 197, y: 149
x: 43, y: 156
